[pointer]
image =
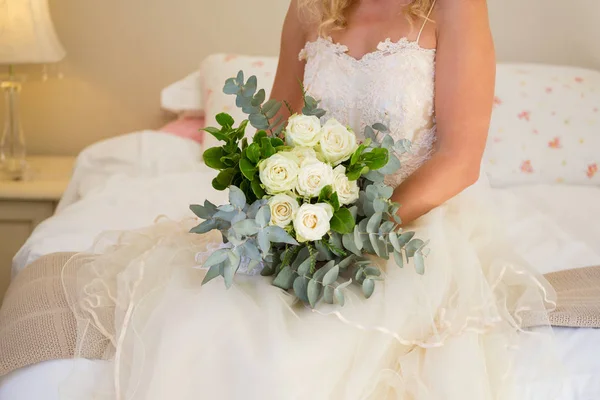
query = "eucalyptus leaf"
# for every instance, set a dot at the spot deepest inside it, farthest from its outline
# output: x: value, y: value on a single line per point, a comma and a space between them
x: 301, y: 288
x: 252, y: 265
x: 358, y: 240
x: 251, y: 251
x: 350, y: 244
x: 258, y: 121
x: 285, y: 279
x: 380, y: 205
x: 239, y: 216
x: 273, y: 111
x: 380, y: 127
x: 328, y: 294
x: 228, y: 274
x: 263, y: 241
x: 304, y: 267
x: 277, y: 234
x: 405, y: 238
x: 254, y: 207
x: 368, y: 287
x: 216, y: 258
x: 413, y: 246
x: 393, y: 238
x: 399, y: 259
x: 331, y: 276
x: 369, y: 133
x: 374, y: 271
x: 237, y: 197
x: 201, y: 211
x: 269, y: 105
x: 359, y: 275
x: 263, y: 216
x: 402, y: 146
x: 231, y: 87
x: 386, y: 227
x: 392, y: 166
x: 374, y: 221
x: 375, y: 176
x: 259, y: 97
x: 323, y: 252
x: 314, y: 291
x: 346, y: 262
x: 387, y: 142
x: 247, y: 227
x: 204, y: 227
x: 212, y: 273
x: 323, y: 270
x: 339, y: 296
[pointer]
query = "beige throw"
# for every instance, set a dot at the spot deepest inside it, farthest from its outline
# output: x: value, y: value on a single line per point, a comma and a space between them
x: 37, y: 324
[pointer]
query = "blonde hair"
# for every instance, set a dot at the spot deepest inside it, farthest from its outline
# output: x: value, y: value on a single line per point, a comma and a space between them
x: 329, y: 14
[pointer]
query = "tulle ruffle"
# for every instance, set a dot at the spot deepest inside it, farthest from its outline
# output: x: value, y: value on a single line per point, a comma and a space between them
x: 456, y: 332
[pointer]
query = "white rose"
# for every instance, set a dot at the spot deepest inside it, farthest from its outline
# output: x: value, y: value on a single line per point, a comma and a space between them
x: 283, y: 209
x: 312, y: 221
x: 303, y: 130
x: 278, y: 173
x: 346, y: 189
x: 303, y: 153
x: 337, y: 142
x: 314, y: 175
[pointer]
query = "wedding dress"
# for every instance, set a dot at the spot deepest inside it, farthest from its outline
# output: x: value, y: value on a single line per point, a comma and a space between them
x: 455, y: 333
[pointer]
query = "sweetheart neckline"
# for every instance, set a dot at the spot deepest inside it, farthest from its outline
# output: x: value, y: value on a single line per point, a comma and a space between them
x: 386, y: 46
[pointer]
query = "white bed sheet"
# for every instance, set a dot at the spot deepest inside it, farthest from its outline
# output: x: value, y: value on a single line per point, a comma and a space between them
x: 129, y: 198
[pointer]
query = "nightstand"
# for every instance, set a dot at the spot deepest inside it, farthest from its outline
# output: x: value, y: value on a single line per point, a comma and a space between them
x: 24, y: 204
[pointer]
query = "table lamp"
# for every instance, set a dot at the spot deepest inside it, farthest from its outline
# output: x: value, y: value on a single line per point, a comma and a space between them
x: 27, y: 36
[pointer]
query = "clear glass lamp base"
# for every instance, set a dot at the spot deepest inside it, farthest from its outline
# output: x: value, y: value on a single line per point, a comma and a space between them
x: 13, y: 165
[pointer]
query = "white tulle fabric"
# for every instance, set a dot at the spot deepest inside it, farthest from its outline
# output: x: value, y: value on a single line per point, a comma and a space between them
x: 453, y: 334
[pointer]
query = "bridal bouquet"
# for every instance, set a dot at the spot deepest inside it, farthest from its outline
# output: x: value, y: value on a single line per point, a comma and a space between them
x: 307, y: 203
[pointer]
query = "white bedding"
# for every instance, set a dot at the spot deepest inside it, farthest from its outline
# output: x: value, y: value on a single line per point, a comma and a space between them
x: 114, y: 190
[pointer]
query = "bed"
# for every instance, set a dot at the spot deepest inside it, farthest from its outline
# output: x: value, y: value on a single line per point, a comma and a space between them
x: 110, y: 176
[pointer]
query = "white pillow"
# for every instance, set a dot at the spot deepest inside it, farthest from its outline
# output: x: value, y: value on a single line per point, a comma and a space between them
x: 215, y: 70
x: 184, y: 97
x: 545, y: 126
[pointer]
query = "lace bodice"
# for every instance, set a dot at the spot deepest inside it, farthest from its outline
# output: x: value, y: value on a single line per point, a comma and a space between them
x: 393, y: 85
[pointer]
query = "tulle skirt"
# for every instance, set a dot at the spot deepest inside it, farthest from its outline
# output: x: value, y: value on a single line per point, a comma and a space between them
x: 461, y: 331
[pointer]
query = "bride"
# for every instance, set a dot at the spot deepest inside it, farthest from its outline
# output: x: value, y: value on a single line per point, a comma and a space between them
x: 426, y: 70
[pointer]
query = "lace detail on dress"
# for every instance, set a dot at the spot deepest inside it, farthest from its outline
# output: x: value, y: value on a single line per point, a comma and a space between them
x: 393, y: 85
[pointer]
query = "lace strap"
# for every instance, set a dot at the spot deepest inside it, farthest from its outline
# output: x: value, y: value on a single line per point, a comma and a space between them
x: 426, y: 20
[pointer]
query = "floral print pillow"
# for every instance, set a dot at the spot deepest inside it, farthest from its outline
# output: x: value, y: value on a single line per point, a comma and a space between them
x: 545, y: 126
x: 215, y: 70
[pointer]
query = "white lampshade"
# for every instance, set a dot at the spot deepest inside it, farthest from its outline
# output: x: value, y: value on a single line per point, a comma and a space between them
x: 27, y: 34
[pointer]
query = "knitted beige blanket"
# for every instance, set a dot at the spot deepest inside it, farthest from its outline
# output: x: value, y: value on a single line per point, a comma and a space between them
x: 36, y: 323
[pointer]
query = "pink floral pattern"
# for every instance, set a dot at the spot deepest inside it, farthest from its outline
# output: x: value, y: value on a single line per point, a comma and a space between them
x: 526, y: 167
x: 526, y: 115
x: 592, y: 169
x: 554, y: 143
x: 545, y: 120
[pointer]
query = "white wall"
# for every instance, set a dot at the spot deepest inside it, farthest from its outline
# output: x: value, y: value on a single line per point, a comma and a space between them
x: 122, y: 52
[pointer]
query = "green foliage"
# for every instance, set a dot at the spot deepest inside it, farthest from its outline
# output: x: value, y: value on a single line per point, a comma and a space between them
x: 313, y: 271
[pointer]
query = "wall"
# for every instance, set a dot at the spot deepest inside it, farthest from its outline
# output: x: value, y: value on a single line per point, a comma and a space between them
x: 122, y: 52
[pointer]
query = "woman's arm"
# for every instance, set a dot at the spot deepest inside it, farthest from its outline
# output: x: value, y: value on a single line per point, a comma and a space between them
x: 465, y: 76
x: 290, y: 70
